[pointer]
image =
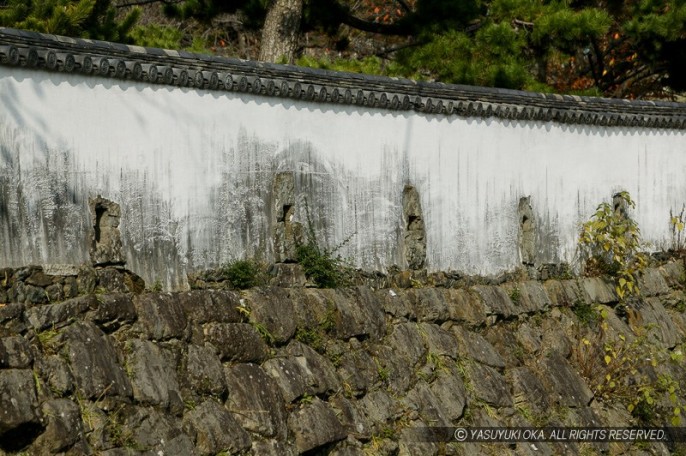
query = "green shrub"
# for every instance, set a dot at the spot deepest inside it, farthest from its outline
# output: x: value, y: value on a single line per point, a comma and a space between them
x: 610, y: 243
x: 242, y: 274
x: 320, y: 265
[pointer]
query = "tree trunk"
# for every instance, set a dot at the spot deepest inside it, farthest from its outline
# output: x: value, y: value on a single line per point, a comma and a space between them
x: 281, y: 31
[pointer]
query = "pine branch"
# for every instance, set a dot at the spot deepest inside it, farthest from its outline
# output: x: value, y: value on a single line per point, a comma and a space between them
x: 403, y: 4
x: 374, y: 27
x: 146, y: 2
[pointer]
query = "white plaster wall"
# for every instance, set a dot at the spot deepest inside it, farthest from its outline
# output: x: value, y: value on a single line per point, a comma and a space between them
x: 192, y: 171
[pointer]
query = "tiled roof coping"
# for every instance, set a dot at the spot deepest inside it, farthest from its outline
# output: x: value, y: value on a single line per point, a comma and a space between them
x: 187, y: 69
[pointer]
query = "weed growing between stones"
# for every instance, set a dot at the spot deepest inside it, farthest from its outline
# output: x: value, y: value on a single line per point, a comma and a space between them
x: 316, y: 337
x: 434, y: 365
x: 320, y: 265
x: 585, y: 312
x: 677, y: 224
x: 259, y: 327
x: 384, y: 373
x: 243, y: 274
x: 49, y: 340
x: 515, y: 295
x: 610, y: 243
x: 631, y: 369
x: 156, y: 286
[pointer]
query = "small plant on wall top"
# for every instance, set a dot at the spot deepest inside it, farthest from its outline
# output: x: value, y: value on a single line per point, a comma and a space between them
x: 320, y: 264
x: 243, y: 274
x: 677, y: 224
x: 610, y: 243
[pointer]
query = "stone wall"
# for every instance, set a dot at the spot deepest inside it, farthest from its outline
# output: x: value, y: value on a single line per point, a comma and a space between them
x: 286, y: 371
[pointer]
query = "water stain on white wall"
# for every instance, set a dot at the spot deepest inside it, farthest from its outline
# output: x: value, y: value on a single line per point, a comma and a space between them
x: 192, y: 171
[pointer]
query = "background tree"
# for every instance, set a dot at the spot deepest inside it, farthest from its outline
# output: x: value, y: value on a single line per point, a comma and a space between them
x: 632, y: 49
x: 82, y: 18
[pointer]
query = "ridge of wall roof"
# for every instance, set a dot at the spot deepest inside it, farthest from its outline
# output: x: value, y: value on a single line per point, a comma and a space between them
x: 185, y: 69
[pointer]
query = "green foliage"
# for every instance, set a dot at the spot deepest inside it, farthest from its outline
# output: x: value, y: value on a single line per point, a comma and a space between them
x: 367, y: 65
x: 159, y: 36
x: 656, y: 29
x: 633, y: 370
x: 511, y: 46
x: 316, y: 337
x: 586, y: 313
x: 320, y: 265
x: 83, y: 18
x: 156, y: 286
x: 610, y: 243
x: 242, y: 274
x: 261, y: 329
x: 383, y: 372
x: 515, y: 295
x: 677, y: 224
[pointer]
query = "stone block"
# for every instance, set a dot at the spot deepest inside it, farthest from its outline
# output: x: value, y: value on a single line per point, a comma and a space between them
x: 15, y: 353
x: 160, y: 316
x: 527, y: 389
x: 392, y: 369
x: 61, y: 270
x: 489, y: 385
x: 674, y: 273
x: 353, y: 420
x: 359, y: 313
x: 119, y: 280
x: 652, y: 283
x: 64, y: 427
x: 358, y: 370
x: 273, y: 309
x: 287, y: 275
x: 57, y: 315
x: 238, y: 342
x: 422, y: 399
x: 93, y: 362
x: 598, y: 290
x: 529, y: 296
x: 18, y: 406
x: 323, y: 378
x: 153, y: 374
x: 448, y: 388
x: 204, y: 372
x: 40, y: 279
x: 379, y: 408
x: 564, y: 384
x: 473, y: 345
x: 255, y: 401
x: 106, y: 247
x: 112, y: 310
x: 397, y: 303
x: 291, y: 376
x: 407, y: 342
x: 502, y: 338
x: 315, y: 425
x: 205, y: 306
x: 563, y: 293
x: 56, y: 371
x: 150, y: 430
x: 215, y: 430
x: 465, y: 306
x: 653, y: 312
x: 496, y: 301
x: 272, y: 447
x: 430, y: 304
x: 437, y: 340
